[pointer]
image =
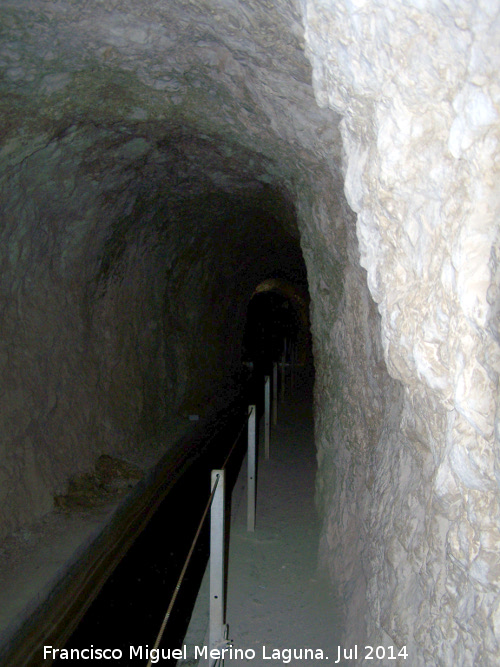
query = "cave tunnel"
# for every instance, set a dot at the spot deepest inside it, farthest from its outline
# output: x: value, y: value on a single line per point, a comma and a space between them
x: 277, y: 327
x: 165, y: 168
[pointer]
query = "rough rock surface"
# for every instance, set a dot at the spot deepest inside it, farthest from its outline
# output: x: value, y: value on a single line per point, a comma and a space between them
x: 417, y: 86
x: 160, y: 159
x: 150, y: 158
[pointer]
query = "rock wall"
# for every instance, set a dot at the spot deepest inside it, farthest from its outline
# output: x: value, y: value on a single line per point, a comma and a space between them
x: 417, y: 85
x: 150, y: 158
x: 122, y: 305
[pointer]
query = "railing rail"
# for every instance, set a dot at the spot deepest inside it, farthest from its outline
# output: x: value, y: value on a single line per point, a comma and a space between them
x: 216, y: 504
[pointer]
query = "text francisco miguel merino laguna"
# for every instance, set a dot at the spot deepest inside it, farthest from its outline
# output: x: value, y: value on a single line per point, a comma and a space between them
x: 285, y: 655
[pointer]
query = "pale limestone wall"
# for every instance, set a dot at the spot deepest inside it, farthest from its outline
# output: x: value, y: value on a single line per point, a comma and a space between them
x: 417, y: 85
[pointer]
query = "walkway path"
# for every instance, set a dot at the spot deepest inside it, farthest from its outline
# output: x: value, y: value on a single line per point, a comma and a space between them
x: 276, y: 599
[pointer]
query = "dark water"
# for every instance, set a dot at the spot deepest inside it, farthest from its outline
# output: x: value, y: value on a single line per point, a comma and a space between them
x: 130, y: 608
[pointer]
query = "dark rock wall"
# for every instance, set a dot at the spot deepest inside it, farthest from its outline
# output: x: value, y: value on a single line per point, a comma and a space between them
x: 126, y: 295
x: 152, y: 156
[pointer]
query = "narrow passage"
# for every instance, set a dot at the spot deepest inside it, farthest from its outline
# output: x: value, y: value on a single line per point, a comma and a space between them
x: 275, y: 596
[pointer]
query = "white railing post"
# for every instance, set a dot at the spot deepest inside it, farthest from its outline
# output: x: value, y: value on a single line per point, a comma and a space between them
x: 267, y: 400
x: 283, y: 380
x: 251, y: 460
x: 275, y: 393
x: 217, y: 630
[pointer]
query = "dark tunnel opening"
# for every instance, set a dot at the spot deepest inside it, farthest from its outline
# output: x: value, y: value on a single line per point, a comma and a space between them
x: 271, y: 325
x: 277, y: 327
